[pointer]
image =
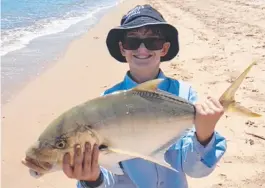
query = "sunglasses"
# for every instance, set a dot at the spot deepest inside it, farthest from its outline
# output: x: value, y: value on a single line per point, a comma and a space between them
x: 151, y: 43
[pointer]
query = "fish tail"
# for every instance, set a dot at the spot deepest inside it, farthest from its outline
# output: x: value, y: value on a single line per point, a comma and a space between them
x: 228, y: 97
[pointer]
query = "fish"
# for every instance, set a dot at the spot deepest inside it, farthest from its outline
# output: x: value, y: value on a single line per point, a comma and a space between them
x: 142, y: 122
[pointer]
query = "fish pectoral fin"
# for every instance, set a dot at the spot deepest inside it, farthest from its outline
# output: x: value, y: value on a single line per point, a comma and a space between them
x: 148, y: 158
x: 151, y: 85
x: 236, y: 107
x: 110, y: 160
x: 115, y: 168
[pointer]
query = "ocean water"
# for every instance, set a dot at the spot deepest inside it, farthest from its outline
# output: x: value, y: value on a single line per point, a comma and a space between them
x: 34, y: 33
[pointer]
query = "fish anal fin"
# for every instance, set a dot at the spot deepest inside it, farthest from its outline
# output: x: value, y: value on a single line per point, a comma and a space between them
x: 151, y: 85
x: 236, y: 107
x: 133, y: 155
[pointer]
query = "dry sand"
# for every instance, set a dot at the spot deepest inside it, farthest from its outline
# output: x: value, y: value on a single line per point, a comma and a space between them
x: 218, y: 38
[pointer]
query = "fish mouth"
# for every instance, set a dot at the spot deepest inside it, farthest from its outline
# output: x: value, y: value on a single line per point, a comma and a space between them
x: 37, y: 167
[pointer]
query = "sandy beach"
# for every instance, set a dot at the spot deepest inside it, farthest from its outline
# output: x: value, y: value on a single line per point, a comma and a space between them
x: 218, y: 38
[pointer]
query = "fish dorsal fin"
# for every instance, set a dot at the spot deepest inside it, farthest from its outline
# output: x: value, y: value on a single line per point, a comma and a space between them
x: 151, y: 85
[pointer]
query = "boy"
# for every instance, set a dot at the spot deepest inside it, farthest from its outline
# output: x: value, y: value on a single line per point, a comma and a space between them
x: 144, y: 40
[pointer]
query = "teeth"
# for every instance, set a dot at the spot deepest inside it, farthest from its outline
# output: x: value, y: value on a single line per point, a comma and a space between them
x: 142, y: 57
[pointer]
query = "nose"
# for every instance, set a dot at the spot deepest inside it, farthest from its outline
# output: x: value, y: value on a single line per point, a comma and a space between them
x: 142, y: 49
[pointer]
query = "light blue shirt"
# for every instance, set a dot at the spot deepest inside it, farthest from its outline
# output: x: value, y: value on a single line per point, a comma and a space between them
x: 187, y: 155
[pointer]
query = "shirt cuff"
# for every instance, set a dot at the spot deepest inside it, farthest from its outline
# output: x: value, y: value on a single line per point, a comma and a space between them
x: 93, y: 184
x: 203, y: 149
x: 204, y: 152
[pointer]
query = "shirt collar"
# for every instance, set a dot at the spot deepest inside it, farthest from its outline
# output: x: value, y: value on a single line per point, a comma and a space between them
x: 130, y: 83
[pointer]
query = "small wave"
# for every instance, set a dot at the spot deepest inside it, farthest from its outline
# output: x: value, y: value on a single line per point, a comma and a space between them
x: 18, y: 38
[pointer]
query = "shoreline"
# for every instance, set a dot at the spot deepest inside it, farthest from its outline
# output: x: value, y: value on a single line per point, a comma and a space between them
x: 76, y: 77
x: 20, y: 67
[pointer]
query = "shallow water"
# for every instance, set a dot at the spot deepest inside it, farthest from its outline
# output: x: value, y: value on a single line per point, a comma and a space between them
x: 34, y: 33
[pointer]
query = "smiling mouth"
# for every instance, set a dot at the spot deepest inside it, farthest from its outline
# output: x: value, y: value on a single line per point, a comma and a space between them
x: 142, y: 57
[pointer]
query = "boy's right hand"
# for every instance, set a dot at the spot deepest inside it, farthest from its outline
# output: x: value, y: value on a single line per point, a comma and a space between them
x: 85, y: 165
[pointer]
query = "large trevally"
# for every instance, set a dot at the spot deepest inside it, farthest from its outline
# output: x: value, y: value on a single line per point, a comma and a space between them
x: 138, y: 123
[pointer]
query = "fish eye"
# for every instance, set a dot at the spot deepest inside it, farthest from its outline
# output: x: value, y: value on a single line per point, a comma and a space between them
x: 60, y: 144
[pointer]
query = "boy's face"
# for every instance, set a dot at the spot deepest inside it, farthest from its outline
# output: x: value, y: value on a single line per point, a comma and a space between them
x: 143, y: 57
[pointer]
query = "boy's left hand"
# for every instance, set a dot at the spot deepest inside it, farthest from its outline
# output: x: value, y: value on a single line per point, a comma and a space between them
x: 207, y: 115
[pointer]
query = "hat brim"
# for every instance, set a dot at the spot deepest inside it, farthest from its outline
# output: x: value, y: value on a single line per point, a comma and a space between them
x: 115, y: 34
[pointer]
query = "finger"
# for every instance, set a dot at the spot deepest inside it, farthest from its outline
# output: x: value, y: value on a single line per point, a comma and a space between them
x: 212, y: 106
x: 78, y: 160
x: 87, y: 159
x: 215, y: 102
x: 67, y: 169
x: 95, y: 156
x: 200, y: 109
x: 206, y: 109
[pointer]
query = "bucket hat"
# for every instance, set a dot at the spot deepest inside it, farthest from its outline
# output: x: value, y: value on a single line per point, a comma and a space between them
x: 139, y: 16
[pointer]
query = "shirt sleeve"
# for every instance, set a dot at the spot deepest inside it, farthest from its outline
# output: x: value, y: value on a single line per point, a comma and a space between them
x: 194, y: 159
x: 106, y: 180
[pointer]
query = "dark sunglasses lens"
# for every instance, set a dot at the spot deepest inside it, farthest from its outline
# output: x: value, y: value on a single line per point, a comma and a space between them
x: 154, y: 43
x: 131, y: 43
